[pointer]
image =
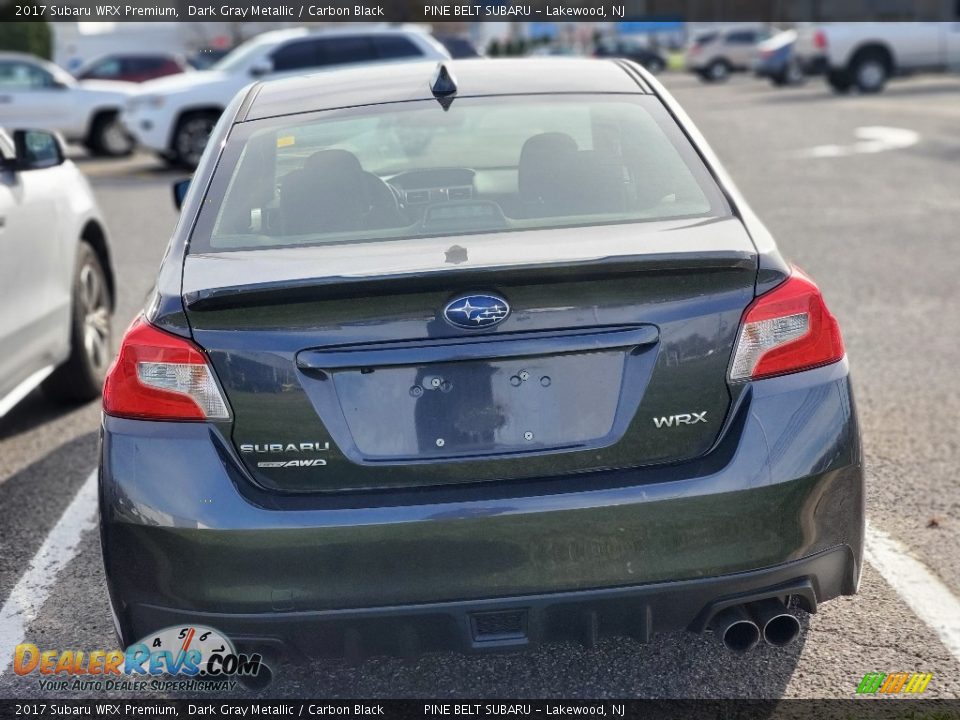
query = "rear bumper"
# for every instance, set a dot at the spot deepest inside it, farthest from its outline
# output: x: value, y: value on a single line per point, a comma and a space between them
x: 779, y: 499
x: 514, y: 622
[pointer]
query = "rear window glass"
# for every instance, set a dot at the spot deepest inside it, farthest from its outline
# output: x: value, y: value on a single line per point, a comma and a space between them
x: 483, y: 165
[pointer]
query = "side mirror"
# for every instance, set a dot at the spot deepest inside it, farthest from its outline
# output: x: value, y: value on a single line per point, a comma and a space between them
x: 180, y: 192
x: 35, y: 150
x: 261, y: 67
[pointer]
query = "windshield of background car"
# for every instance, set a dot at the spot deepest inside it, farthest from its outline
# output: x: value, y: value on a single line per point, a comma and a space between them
x: 490, y: 164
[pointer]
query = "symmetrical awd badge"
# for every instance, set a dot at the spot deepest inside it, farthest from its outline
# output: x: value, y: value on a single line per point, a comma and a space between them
x: 471, y: 312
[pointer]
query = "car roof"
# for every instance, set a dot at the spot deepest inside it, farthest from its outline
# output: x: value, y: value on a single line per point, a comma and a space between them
x: 274, y: 36
x: 404, y: 81
x: 9, y: 55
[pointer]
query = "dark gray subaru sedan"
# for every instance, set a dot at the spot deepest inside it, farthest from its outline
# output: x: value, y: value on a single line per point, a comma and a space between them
x: 475, y: 356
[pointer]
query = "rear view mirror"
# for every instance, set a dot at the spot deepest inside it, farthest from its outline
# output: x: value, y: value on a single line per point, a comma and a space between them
x: 261, y: 67
x: 35, y: 150
x: 180, y: 192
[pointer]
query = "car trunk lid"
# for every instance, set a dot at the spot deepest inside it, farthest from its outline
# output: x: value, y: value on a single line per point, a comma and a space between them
x: 344, y: 372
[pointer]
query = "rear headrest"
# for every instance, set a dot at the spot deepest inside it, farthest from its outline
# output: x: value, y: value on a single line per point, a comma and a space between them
x: 338, y: 162
x: 541, y: 157
x: 328, y: 193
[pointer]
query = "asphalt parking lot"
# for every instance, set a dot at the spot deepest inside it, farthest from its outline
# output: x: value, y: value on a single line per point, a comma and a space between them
x: 861, y: 192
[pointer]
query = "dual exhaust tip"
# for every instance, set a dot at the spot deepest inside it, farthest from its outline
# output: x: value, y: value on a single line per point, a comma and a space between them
x: 740, y: 627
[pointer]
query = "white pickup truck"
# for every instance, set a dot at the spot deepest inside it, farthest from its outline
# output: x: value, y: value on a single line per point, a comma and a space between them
x: 866, y: 55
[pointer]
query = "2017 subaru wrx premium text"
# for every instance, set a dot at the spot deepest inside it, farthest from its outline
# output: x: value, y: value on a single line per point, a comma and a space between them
x: 486, y: 353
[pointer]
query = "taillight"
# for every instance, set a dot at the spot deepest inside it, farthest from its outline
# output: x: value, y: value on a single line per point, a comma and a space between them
x: 159, y: 376
x: 820, y: 40
x: 786, y: 330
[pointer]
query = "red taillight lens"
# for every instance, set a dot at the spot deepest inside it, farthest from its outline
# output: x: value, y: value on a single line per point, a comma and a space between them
x: 820, y: 40
x: 159, y: 376
x: 786, y: 330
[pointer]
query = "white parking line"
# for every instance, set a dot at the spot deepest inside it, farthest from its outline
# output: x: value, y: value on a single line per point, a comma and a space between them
x: 870, y: 140
x: 926, y: 595
x: 58, y: 549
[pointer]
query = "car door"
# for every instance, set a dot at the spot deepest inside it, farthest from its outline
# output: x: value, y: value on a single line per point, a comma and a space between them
x: 30, y: 97
x: 739, y: 46
x: 35, y: 273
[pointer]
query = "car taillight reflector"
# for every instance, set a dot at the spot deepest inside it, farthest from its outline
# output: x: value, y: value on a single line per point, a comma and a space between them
x: 820, y: 40
x: 786, y: 330
x: 159, y: 376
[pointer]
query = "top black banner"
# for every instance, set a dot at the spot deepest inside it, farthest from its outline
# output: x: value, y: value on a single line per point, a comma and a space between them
x: 439, y: 11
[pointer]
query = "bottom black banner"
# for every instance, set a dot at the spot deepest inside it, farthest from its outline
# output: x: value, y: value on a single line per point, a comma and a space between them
x: 874, y: 709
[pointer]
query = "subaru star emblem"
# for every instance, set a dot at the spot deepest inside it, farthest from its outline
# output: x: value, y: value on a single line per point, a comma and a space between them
x: 476, y: 311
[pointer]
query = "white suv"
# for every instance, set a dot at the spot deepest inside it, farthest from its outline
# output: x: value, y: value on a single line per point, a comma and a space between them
x: 714, y: 55
x: 35, y: 93
x: 173, y: 116
x: 56, y: 285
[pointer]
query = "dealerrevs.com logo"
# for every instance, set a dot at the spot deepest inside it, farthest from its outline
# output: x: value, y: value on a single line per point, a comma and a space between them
x: 176, y: 658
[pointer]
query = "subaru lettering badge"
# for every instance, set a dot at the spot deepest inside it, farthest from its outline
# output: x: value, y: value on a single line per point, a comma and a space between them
x: 476, y: 311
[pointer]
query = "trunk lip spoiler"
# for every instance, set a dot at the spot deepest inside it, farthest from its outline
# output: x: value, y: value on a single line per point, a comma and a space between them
x: 339, y: 286
x: 477, y: 347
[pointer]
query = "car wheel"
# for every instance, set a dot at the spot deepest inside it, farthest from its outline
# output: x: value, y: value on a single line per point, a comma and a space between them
x: 793, y: 73
x: 191, y: 137
x: 655, y: 65
x: 839, y: 80
x: 80, y: 378
x: 870, y: 71
x: 107, y: 137
x: 717, y: 71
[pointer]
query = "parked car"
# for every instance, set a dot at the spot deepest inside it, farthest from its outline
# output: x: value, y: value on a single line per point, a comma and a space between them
x: 632, y: 50
x: 133, y: 67
x: 866, y: 55
x: 174, y: 116
x: 475, y: 355
x: 774, y: 60
x: 715, y: 55
x: 458, y: 46
x: 56, y: 282
x: 35, y: 93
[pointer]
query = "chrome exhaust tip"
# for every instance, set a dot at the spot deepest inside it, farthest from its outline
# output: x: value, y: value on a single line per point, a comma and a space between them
x: 779, y: 627
x: 735, y: 628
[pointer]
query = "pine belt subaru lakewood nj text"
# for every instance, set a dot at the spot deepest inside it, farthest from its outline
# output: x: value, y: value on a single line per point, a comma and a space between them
x: 475, y: 355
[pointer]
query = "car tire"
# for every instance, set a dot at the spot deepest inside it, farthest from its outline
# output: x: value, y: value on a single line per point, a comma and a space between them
x: 191, y: 136
x: 870, y: 70
x: 80, y: 378
x: 840, y: 81
x: 107, y: 137
x: 790, y: 75
x: 655, y: 65
x: 717, y: 71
